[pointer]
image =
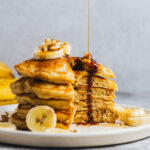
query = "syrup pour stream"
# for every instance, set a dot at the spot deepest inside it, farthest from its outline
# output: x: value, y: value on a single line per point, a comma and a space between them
x: 93, y: 68
x: 88, y: 25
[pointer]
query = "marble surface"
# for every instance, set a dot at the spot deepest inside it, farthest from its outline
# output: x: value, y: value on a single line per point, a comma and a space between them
x: 140, y: 100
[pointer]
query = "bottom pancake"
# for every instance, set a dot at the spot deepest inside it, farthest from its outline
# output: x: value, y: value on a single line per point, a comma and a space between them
x: 21, y: 123
x: 64, y: 116
x: 97, y: 116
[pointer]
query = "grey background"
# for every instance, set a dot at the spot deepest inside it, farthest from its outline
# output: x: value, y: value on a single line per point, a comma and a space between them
x: 120, y: 34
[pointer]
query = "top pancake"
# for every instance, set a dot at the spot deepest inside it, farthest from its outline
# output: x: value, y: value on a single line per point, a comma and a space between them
x: 53, y: 70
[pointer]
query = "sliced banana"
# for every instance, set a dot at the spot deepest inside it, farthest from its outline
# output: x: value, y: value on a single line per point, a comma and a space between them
x: 138, y: 121
x: 125, y: 113
x: 56, y: 130
x: 67, y: 48
x: 7, y: 126
x: 41, y: 118
x: 40, y: 55
x: 52, y: 49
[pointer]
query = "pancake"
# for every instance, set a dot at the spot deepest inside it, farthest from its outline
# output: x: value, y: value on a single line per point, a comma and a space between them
x: 53, y: 70
x: 82, y: 80
x: 82, y: 93
x: 21, y: 123
x: 33, y: 100
x: 78, y: 64
x: 98, y: 116
x: 61, y: 116
x: 96, y: 104
x: 43, y: 89
x: 65, y: 116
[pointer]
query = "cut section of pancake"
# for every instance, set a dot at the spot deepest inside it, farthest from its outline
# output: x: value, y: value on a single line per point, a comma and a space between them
x: 99, y: 115
x: 33, y: 100
x: 53, y: 70
x: 77, y: 63
x: 82, y: 80
x: 43, y: 89
x: 96, y: 104
x: 82, y: 93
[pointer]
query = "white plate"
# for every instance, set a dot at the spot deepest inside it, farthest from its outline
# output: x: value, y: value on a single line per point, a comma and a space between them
x: 96, y: 135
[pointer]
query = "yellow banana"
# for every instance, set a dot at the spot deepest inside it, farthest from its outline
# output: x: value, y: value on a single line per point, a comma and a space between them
x: 8, y: 102
x: 5, y: 91
x: 5, y: 71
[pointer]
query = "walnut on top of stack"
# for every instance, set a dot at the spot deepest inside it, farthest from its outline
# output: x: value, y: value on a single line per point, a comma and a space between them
x: 94, y: 91
x: 47, y: 80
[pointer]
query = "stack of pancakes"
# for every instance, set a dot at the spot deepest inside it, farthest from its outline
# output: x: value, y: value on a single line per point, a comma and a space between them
x: 77, y: 88
x: 94, y: 92
x: 44, y: 82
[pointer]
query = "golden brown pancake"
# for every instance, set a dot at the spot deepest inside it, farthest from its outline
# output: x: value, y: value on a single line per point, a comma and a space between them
x: 43, y: 89
x: 99, y: 115
x: 21, y: 123
x: 54, y: 103
x: 61, y: 116
x: 82, y: 93
x: 82, y: 80
x: 96, y: 104
x: 53, y: 70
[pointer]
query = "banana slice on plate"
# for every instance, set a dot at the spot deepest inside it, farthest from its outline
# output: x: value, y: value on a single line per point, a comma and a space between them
x: 138, y: 121
x: 125, y: 113
x: 7, y: 126
x: 41, y: 118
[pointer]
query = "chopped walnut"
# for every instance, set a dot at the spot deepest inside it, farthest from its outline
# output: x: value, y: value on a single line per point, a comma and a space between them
x: 54, y: 45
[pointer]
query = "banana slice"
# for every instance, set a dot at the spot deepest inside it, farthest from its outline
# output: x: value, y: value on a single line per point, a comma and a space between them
x: 40, y: 55
x: 67, y: 48
x: 41, y: 118
x: 52, y: 49
x: 56, y: 130
x: 138, y: 121
x: 125, y: 113
x: 7, y: 126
